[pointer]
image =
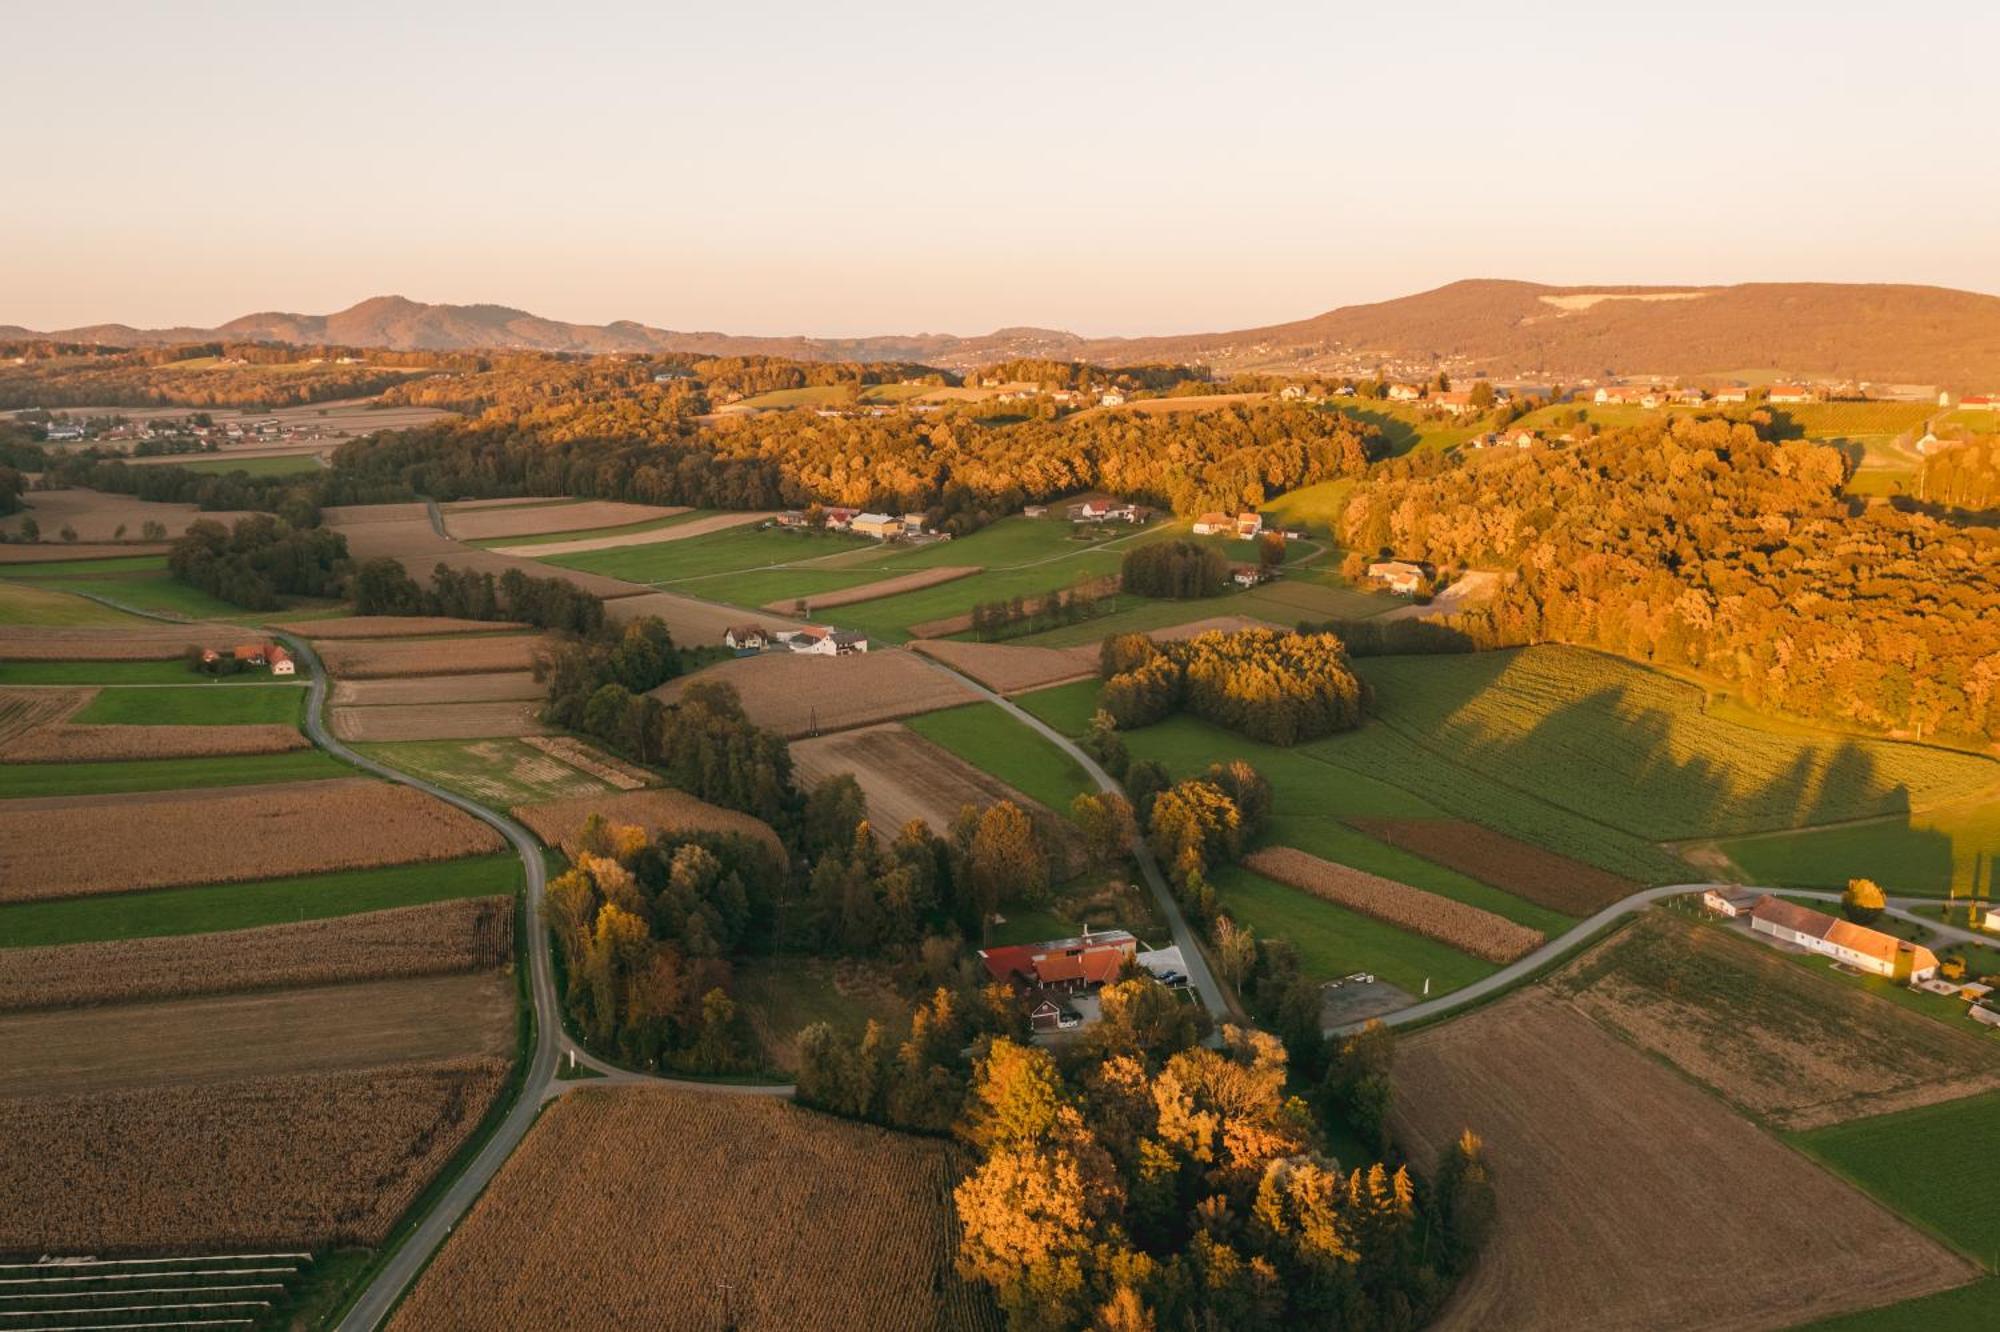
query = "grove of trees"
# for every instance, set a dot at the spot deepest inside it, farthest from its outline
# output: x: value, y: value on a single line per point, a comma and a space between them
x: 1178, y: 568
x: 1275, y: 686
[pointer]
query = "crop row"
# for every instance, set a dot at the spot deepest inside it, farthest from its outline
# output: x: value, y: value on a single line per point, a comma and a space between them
x: 1466, y: 928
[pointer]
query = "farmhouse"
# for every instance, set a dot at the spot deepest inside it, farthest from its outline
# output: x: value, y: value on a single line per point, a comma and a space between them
x: 838, y: 520
x: 1247, y: 575
x: 252, y: 654
x: 1057, y: 967
x: 1732, y: 394
x: 1212, y: 524
x: 881, y: 526
x: 1112, y: 399
x: 746, y: 637
x: 1992, y: 920
x: 1249, y: 525
x: 1402, y: 576
x: 1858, y: 946
x: 1731, y: 902
x: 1456, y: 403
x: 282, y: 663
x: 793, y: 518
x: 1792, y: 393
x: 1973, y: 402
x: 820, y: 641
x: 1404, y: 392
x: 1623, y: 395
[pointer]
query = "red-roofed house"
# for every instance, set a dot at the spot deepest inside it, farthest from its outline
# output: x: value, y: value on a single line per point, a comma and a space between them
x: 1213, y: 524
x: 1980, y: 402
x: 282, y: 663
x: 1856, y: 945
x: 1792, y: 393
x: 1066, y: 965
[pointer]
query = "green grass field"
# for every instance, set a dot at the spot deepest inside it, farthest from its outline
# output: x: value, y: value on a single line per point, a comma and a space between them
x: 1316, y: 508
x: 241, y: 906
x: 194, y: 705
x: 1407, y: 428
x: 1964, y: 1309
x: 1334, y: 942
x: 499, y: 773
x: 813, y: 395
x: 18, y: 780
x: 151, y: 592
x: 1068, y: 707
x: 173, y: 672
x: 295, y: 464
x: 1949, y: 851
x: 711, y: 558
x: 115, y: 564
x: 32, y: 603
x: 1938, y: 1165
x: 984, y: 735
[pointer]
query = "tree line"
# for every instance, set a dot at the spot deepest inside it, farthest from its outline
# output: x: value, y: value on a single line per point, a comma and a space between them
x: 258, y: 560
x: 382, y: 586
x: 1013, y: 616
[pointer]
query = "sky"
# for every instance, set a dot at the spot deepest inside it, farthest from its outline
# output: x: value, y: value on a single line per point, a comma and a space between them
x: 877, y: 168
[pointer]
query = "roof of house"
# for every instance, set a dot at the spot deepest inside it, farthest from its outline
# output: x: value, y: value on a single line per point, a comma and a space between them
x: 1884, y: 948
x: 1209, y: 519
x: 1792, y: 916
x: 245, y: 651
x: 746, y: 630
x: 1094, y: 958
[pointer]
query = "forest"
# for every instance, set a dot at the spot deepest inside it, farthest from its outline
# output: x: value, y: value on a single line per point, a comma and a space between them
x: 260, y: 559
x: 200, y: 375
x: 1695, y: 543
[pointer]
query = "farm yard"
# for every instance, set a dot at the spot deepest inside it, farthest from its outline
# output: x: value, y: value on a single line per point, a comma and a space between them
x: 632, y: 1172
x: 1587, y: 1186
x: 798, y: 695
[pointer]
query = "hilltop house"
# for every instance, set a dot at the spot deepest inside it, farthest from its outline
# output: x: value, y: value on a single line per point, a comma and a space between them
x: 1400, y: 576
x: 1858, y: 946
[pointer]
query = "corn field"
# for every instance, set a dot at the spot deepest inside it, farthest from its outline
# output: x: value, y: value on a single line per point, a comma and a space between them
x: 1469, y: 929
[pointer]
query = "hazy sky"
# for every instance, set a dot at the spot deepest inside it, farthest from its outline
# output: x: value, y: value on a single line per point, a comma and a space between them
x: 869, y: 168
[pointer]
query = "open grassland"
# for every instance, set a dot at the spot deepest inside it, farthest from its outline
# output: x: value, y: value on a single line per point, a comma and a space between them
x: 469, y: 934
x: 1781, y: 1041
x: 1945, y: 851
x: 439, y: 721
x: 1970, y: 1306
x: 399, y: 626
x: 495, y: 687
x: 1484, y: 935
x: 563, y: 1240
x: 1333, y: 942
x: 173, y: 672
x: 375, y: 659
x: 680, y: 527
x: 489, y: 522
x: 166, y: 839
x: 1315, y: 508
x: 99, y: 516
x: 1517, y: 867
x: 658, y: 810
x: 63, y: 742
x: 40, y: 603
x: 1635, y: 749
x: 498, y: 772
x: 159, y: 593
x: 270, y: 464
x: 795, y: 694
x: 211, y: 908
x: 1938, y: 1165
x: 194, y: 705
x: 1682, y: 1214
x: 1010, y: 669
x: 310, y: 1160
x: 27, y: 780
x: 984, y: 735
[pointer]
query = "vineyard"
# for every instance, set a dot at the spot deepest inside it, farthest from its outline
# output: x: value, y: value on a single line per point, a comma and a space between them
x: 657, y: 1208
x: 307, y: 1160
x: 1843, y: 420
x: 1527, y: 871
x: 468, y: 934
x: 1466, y: 928
x: 118, y: 843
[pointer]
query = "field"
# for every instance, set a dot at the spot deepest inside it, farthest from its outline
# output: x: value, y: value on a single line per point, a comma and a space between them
x: 249, y: 905
x: 1781, y: 1041
x: 62, y: 742
x: 468, y: 934
x: 488, y: 522
x: 171, y: 672
x: 1517, y: 867
x: 721, y: 551
x: 496, y: 687
x: 780, y: 997
x: 794, y: 694
x: 313, y: 1159
x: 984, y: 735
x: 374, y: 659
x: 1970, y: 1306
x: 1939, y: 1165
x: 679, y: 528
x: 98, y: 516
x: 657, y: 810
x: 398, y: 626
x: 585, y: 757
x: 500, y: 772
x: 166, y: 839
x: 439, y: 721
x: 26, y: 710
x: 879, y: 588
x: 1009, y: 669
x: 571, y: 1232
x: 1484, y: 935
x: 1946, y: 851
x: 105, y: 778
x: 270, y: 464
x: 76, y: 557
x: 194, y: 705
x: 318, y: 1029
x: 157, y: 592
x: 41, y: 603
x: 131, y: 641
x: 692, y: 622
x: 1629, y: 1198
x: 404, y: 532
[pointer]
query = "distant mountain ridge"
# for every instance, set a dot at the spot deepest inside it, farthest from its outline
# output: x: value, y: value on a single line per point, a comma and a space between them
x: 1864, y: 331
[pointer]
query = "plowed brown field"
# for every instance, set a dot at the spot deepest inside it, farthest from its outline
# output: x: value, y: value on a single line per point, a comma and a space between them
x: 792, y: 693
x: 886, y: 587
x: 97, y: 516
x: 138, y: 641
x: 68, y: 846
x: 1012, y: 669
x: 657, y: 809
x: 63, y: 743
x: 1631, y: 1200
x: 376, y: 658
x: 25, y: 710
x: 497, y: 687
x: 1520, y: 868
x: 820, y: 1225
x: 1466, y: 928
x: 399, y: 626
x: 439, y: 721
x: 15, y: 552
x: 481, y: 524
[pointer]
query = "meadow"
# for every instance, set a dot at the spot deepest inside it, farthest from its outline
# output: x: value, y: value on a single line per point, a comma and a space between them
x: 144, y: 590
x: 1949, y: 851
x: 984, y: 735
x: 498, y: 772
x: 78, y: 779
x: 193, y: 705
x: 1938, y: 1165
x: 36, y: 603
x: 1969, y: 1306
x: 173, y: 672
x: 289, y: 464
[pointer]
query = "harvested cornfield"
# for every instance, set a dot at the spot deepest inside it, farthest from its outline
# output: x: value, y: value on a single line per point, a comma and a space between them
x: 20, y: 552
x: 692, y: 621
x: 486, y: 523
x: 497, y: 687
x: 304, y: 1160
x: 694, y: 527
x: 1011, y: 669
x: 657, y: 809
x: 403, y: 532
x: 377, y: 658
x: 316, y: 1029
x: 64, y: 743
x: 438, y: 938
x: 1799, y: 1048
x: 1629, y: 1199
x: 885, y: 587
x: 942, y: 627
x: 1517, y: 867
x: 1221, y: 624
x: 795, y: 694
x: 97, y: 516
x: 1466, y: 928
x: 571, y: 1232
x: 439, y: 721
x: 398, y: 626
x: 586, y: 758
x: 25, y: 710
x: 138, y: 641
x: 70, y: 846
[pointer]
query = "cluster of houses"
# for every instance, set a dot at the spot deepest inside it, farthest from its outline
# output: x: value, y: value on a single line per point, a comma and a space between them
x: 1506, y: 439
x: 1244, y: 526
x: 1057, y: 980
x: 250, y: 655
x: 815, y: 640
x: 182, y: 435
x: 859, y: 522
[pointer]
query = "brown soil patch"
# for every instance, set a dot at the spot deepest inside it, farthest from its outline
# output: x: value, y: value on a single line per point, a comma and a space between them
x: 694, y: 527
x: 500, y: 686
x: 1629, y: 1199
x: 1800, y: 1049
x: 313, y: 1160
x: 398, y: 626
x: 14, y: 552
x: 313, y: 1030
x: 1213, y: 624
x: 570, y: 1234
x: 657, y: 809
x: 63, y: 743
x: 792, y: 693
x: 1010, y: 669
x: 1469, y: 929
x: 943, y: 627
x: 438, y: 721
x: 885, y: 587
x: 1516, y: 867
x: 691, y: 620
x: 67, y: 846
x: 25, y: 710
x: 376, y: 658
x: 403, y: 532
x: 97, y: 516
x: 439, y: 938
x: 612, y: 772
x: 536, y: 520
x: 135, y: 642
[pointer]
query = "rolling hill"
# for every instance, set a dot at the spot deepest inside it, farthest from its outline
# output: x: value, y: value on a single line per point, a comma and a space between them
x: 1863, y: 331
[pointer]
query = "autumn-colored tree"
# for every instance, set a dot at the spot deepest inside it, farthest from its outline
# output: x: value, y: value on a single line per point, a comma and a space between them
x: 1107, y: 823
x: 1863, y: 902
x: 1005, y: 858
